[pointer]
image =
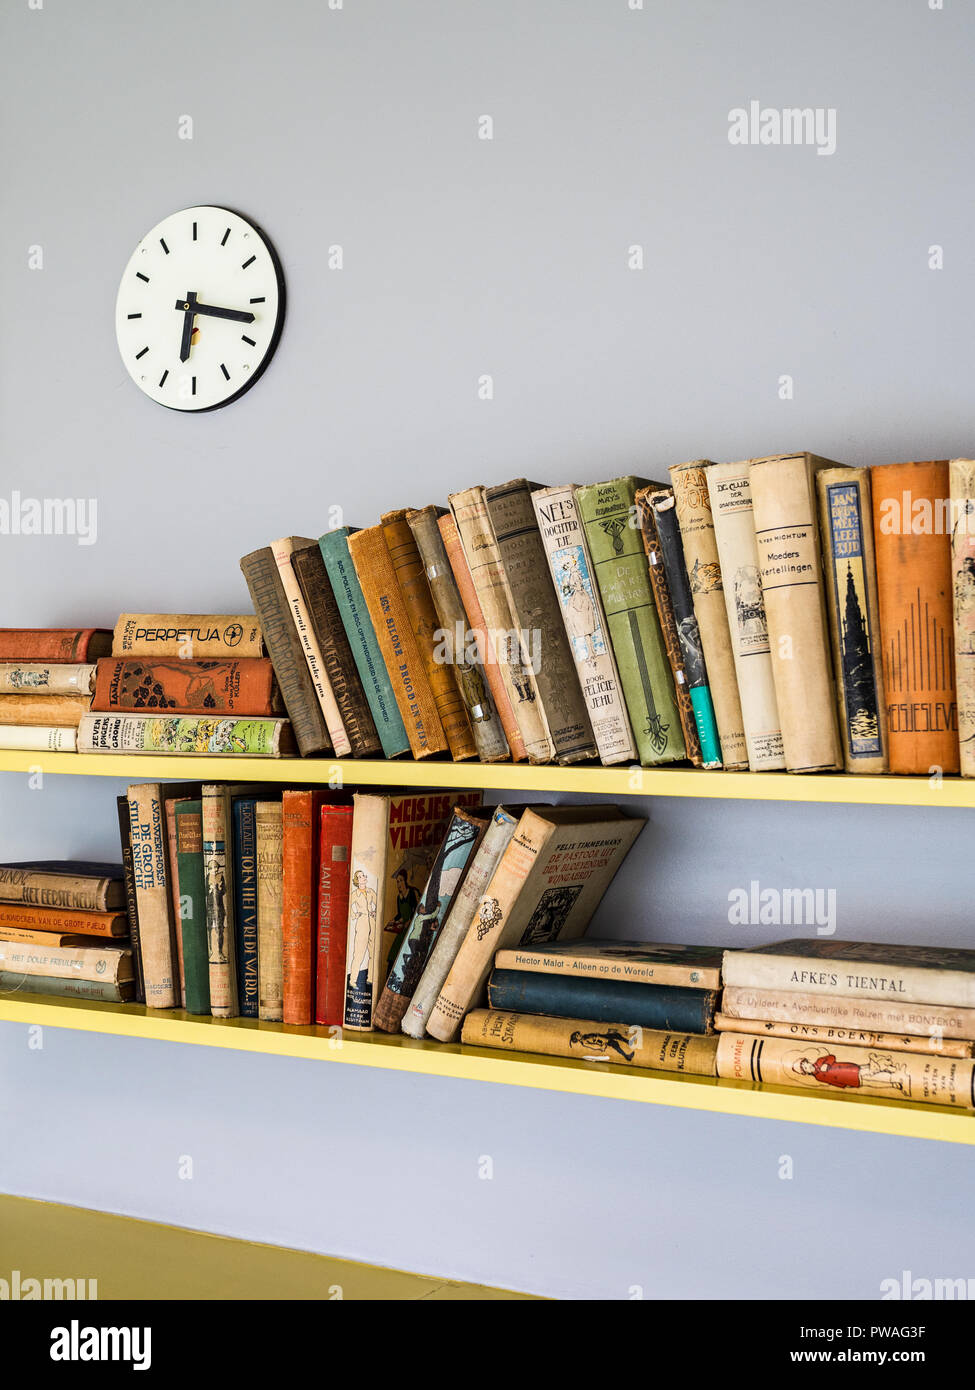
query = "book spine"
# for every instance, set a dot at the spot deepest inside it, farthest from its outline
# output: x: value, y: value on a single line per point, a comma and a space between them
x: 446, y: 875
x: 149, y: 853
x: 842, y: 1070
x: 131, y: 900
x: 219, y: 902
x: 693, y: 506
x: 55, y: 645
x: 299, y: 884
x: 64, y: 962
x: 44, y: 888
x: 185, y: 687
x: 566, y: 996
x: 846, y: 527
x: 39, y: 739
x: 333, y: 913
x: 339, y: 668
x: 192, y: 906
x: 668, y: 573
x: 187, y: 734
x: 269, y: 836
x: 483, y: 556
x: 910, y: 984
x: 617, y: 969
x: 44, y: 711
x: 734, y: 532
x: 592, y: 1041
x: 452, y: 637
x: 384, y: 601
x: 962, y: 489
x: 541, y: 632
x: 260, y: 571
x: 173, y: 877
x: 334, y: 546
x: 245, y: 904
x: 31, y: 937
x: 474, y: 616
x: 283, y: 550
x: 787, y: 534
x: 457, y: 923
x: 608, y: 514
x: 94, y: 924
x: 189, y: 636
x: 367, y: 884
x: 46, y: 678
x: 884, y: 1015
x: 101, y: 991
x: 571, y: 569
x: 849, y: 1037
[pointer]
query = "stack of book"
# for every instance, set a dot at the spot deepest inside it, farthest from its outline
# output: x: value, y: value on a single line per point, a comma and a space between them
x: 63, y: 931
x: 186, y: 683
x: 854, y: 1018
x: 46, y: 681
x: 569, y: 1000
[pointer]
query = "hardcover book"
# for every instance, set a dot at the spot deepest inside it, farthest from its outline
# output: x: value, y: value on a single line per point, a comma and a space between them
x: 46, y: 678
x: 185, y: 733
x: 244, y: 817
x: 335, y: 832
x: 608, y: 512
x: 189, y: 636
x: 218, y: 881
x: 112, y: 964
x: 270, y: 839
x: 44, y: 711
x: 790, y: 563
x: 283, y: 550
x: 638, y: 962
x: 64, y: 883
x: 666, y: 1007
x: 191, y: 889
x: 301, y: 826
x: 881, y: 1013
x: 592, y: 1041
x: 131, y: 903
x: 38, y: 738
x: 962, y: 487
x: 102, y: 991
x: 54, y: 644
x: 56, y: 919
x: 150, y: 868
x: 849, y: 1037
x: 730, y: 492
x: 909, y: 974
x: 846, y: 526
x: 211, y: 687
x: 572, y: 572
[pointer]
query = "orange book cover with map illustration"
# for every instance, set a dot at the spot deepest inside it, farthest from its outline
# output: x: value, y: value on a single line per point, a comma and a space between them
x: 244, y: 687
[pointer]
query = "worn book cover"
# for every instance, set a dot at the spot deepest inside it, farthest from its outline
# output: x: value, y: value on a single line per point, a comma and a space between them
x: 394, y: 842
x: 270, y: 840
x: 54, y: 644
x: 173, y: 875
x: 187, y: 687
x: 879, y: 1012
x: 912, y: 536
x: 608, y: 513
x: 335, y: 850
x: 244, y: 818
x: 63, y: 883
x: 537, y: 611
x: 46, y: 678
x: 730, y: 492
x: 453, y: 643
x: 681, y: 1008
x: 962, y: 487
x: 189, y: 636
x: 301, y: 823
x: 131, y: 902
x: 191, y: 890
x: 218, y: 886
x: 150, y: 867
x: 843, y: 1070
x: 693, y: 505
x: 850, y: 1037
x: 111, y: 963
x: 572, y: 572
x: 31, y: 937
x: 45, y: 711
x: 283, y: 549
x: 910, y: 974
x: 55, y: 919
x: 592, y: 1041
x: 483, y: 862
x: 38, y: 738
x: 790, y: 562
x: 547, y: 884
x: 447, y: 873
x: 639, y: 962
x: 186, y: 734
x: 102, y: 991
x: 846, y: 527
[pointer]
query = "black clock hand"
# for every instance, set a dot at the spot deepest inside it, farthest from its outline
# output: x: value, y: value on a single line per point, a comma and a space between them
x: 188, y: 308
x: 191, y: 305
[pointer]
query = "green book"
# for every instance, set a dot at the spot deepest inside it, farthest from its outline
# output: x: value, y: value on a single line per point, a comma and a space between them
x: 609, y: 516
x: 192, y: 905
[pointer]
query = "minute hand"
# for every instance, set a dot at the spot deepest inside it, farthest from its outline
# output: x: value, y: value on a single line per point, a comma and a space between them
x: 215, y: 312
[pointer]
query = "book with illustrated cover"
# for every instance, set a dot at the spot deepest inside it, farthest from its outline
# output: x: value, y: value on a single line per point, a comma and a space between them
x: 47, y: 678
x: 961, y: 477
x: 189, y: 636
x: 185, y: 733
x: 851, y: 1037
x: 191, y: 891
x: 54, y: 644
x: 591, y: 1040
x: 269, y: 843
x: 214, y: 687
x: 908, y: 974
x: 645, y: 962
x: 675, y: 1008
x: 216, y: 812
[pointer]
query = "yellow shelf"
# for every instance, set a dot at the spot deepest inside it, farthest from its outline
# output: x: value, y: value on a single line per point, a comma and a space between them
x: 840, y: 788
x: 402, y: 1054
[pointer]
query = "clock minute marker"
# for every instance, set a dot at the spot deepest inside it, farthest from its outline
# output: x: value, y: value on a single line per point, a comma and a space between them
x: 225, y: 372
x: 162, y: 243
x: 142, y: 353
x: 139, y: 276
x: 258, y: 300
x: 249, y: 341
x: 133, y: 316
x: 162, y: 379
x: 194, y: 231
x: 226, y: 234
x: 249, y: 261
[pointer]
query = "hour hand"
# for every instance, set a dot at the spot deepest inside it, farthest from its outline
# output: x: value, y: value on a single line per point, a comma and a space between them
x: 187, y: 338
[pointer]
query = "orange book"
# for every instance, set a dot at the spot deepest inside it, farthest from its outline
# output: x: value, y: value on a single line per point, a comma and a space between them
x: 53, y: 643
x: 46, y: 711
x: 216, y: 687
x: 912, y: 539
x: 21, y: 917
x: 301, y: 819
x: 477, y: 625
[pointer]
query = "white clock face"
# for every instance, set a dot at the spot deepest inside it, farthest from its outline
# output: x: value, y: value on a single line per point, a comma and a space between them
x: 199, y: 309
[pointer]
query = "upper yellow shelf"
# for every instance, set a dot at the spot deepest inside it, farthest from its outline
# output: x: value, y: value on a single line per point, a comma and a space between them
x: 402, y: 1054
x: 836, y: 787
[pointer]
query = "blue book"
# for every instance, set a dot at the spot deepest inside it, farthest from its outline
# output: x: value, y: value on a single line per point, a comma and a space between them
x: 334, y: 546
x: 673, y: 1008
x: 245, y: 903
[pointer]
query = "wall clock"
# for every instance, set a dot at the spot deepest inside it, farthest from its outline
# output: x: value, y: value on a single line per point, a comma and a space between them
x: 200, y: 309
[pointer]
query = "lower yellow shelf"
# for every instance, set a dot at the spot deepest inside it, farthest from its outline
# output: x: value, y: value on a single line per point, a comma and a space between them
x: 399, y: 1053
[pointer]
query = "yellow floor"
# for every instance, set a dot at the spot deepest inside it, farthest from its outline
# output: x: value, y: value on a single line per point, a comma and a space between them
x: 142, y: 1259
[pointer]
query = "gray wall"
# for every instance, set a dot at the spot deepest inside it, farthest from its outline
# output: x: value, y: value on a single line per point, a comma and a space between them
x: 462, y: 257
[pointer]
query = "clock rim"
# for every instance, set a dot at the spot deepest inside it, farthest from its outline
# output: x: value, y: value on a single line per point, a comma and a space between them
x: 272, y: 346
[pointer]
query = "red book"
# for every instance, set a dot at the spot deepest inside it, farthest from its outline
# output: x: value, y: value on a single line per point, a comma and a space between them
x: 300, y: 818
x: 54, y: 643
x: 217, y: 687
x: 335, y: 849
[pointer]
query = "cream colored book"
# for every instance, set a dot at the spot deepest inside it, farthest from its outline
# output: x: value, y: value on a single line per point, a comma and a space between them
x: 619, y: 1043
x: 39, y: 738
x: 846, y: 1011
x: 150, y: 852
x: 546, y: 887
x: 44, y: 678
x: 787, y: 532
x: 111, y: 963
x: 840, y: 1070
x: 849, y: 1037
x: 693, y: 504
x: 269, y: 839
x: 570, y: 564
x: 734, y: 533
x: 962, y: 484
x: 283, y: 550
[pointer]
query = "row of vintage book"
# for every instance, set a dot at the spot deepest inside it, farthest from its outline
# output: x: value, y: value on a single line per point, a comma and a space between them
x: 778, y: 613
x: 440, y: 917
